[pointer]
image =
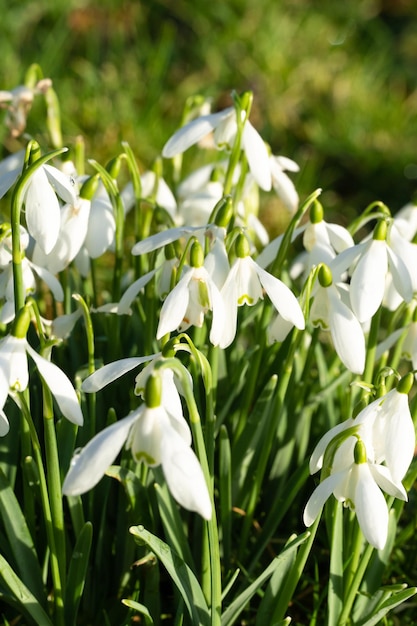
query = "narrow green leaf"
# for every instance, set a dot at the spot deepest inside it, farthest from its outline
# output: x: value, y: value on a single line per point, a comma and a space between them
x: 140, y: 608
x: 76, y: 573
x: 181, y: 574
x: 233, y: 611
x: 27, y: 601
x: 395, y: 600
x: 20, y: 540
x: 265, y: 613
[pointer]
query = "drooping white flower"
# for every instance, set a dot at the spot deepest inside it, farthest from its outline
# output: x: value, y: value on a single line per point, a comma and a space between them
x: 369, y: 263
x: 15, y: 378
x: 385, y: 431
x: 155, y: 436
x: 18, y: 103
x: 72, y: 234
x: 356, y: 480
x: 245, y: 284
x: 42, y: 208
x: 225, y: 127
x: 194, y: 295
x: 330, y: 312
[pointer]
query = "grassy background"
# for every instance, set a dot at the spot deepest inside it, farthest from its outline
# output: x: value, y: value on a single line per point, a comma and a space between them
x: 334, y: 83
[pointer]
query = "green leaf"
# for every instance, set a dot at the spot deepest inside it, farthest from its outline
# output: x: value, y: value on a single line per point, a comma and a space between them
x: 20, y: 540
x: 140, y: 608
x: 29, y: 605
x: 395, y: 600
x: 233, y: 611
x: 182, y: 576
x: 76, y: 573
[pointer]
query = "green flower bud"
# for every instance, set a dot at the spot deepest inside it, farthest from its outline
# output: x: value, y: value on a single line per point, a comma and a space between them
x: 405, y: 383
x: 359, y: 452
x: 196, y: 255
x: 325, y: 276
x: 89, y: 187
x: 316, y: 213
x: 242, y: 246
x: 153, y: 391
x: 21, y: 323
x: 169, y: 251
x: 222, y: 212
x: 380, y: 231
x: 113, y: 167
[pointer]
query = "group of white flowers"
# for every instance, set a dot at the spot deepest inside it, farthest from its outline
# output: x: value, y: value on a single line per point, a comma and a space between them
x: 68, y: 219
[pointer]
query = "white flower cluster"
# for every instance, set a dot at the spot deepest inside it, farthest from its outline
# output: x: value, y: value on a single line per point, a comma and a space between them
x: 373, y: 452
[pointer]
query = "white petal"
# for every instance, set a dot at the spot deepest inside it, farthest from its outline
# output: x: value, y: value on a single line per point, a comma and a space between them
x: 62, y: 183
x: 257, y: 156
x: 316, y: 460
x: 347, y: 333
x: 281, y: 297
x: 192, y: 132
x: 370, y: 507
x: 368, y: 281
x: 10, y: 168
x: 184, y: 475
x: 163, y: 238
x: 132, y: 291
x: 219, y: 313
x: 52, y: 282
x: 285, y: 189
x: 101, y: 228
x: 42, y: 211
x: 4, y: 424
x: 63, y: 325
x: 174, y: 307
x: 60, y: 386
x: 110, y: 372
x: 229, y: 294
x: 399, y: 437
x: 340, y: 238
x: 319, y: 496
x: 383, y: 478
x: 13, y: 351
x: 400, y: 274
x: 90, y: 465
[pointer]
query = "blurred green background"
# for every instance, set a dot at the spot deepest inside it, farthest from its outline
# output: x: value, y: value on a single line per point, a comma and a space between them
x: 335, y: 83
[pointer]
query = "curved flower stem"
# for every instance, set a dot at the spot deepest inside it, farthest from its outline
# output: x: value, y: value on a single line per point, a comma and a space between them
x: 49, y: 522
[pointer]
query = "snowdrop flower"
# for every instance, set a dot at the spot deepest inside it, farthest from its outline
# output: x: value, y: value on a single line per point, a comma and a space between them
x: 72, y: 234
x: 282, y: 183
x: 382, y: 432
x: 225, y: 127
x: 356, y: 480
x: 156, y: 435
x: 329, y: 312
x: 14, y: 374
x: 18, y: 103
x: 244, y: 285
x: 194, y: 295
x: 371, y: 261
x: 42, y: 207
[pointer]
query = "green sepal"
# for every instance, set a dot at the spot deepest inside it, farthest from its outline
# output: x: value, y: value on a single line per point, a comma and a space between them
x: 153, y: 390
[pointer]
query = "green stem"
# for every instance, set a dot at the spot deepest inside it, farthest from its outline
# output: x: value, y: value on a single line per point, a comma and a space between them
x: 54, y: 482
x: 49, y: 522
x: 372, y: 346
x: 213, y: 566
